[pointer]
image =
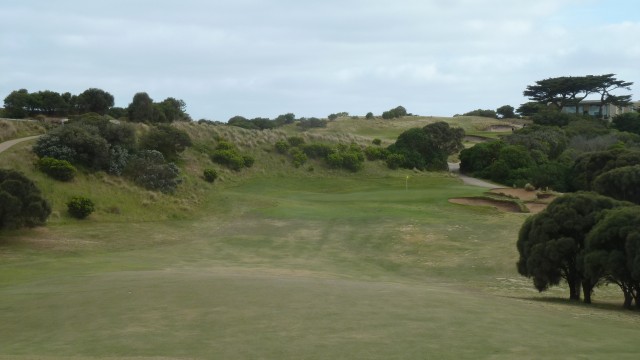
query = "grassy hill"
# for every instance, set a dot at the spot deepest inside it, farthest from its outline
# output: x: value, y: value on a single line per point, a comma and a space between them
x: 275, y: 262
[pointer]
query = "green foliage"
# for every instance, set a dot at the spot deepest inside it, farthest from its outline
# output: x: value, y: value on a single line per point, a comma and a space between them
x: 80, y: 207
x: 613, y: 252
x: 394, y: 161
x: 21, y: 203
x: 149, y: 169
x: 298, y: 157
x: 479, y: 157
x: 550, y: 141
x: 530, y: 108
x: 141, y: 109
x: 94, y: 100
x: 629, y: 122
x: 621, y: 183
x: 550, y: 117
x: 285, y: 119
x: 376, y: 141
x: 376, y: 153
x: 347, y: 157
x: 589, y: 166
x: 427, y: 148
x: 227, y: 154
x: 484, y: 113
x: 369, y: 116
x: 76, y: 143
x: 295, y: 141
x: 506, y: 112
x: 58, y: 169
x: 168, y: 140
x: 551, y: 244
x: 282, y: 146
x: 332, y: 117
x: 16, y: 104
x: 253, y: 124
x: 394, y: 113
x: 306, y: 124
x: 317, y: 150
x: 210, y: 175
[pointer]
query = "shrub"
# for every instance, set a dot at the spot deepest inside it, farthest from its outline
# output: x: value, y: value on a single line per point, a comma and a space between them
x: 76, y: 143
x: 377, y: 142
x: 369, y: 116
x: 118, y: 159
x: 298, y: 157
x: 228, y: 158
x: 317, y: 151
x: 295, y: 141
x: 21, y: 203
x: 150, y: 170
x: 210, y: 175
x: 248, y: 161
x: 80, y: 207
x: 282, y: 146
x: 167, y: 139
x: 58, y: 169
x: 375, y: 153
x: 225, y: 145
x: 395, y: 160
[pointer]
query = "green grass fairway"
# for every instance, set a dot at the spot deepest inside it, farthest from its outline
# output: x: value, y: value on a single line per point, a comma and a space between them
x: 295, y: 267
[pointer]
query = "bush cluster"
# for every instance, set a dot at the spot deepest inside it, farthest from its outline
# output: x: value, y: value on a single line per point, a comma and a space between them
x: 80, y: 207
x: 210, y: 175
x: 58, y: 169
x: 21, y: 202
x: 394, y: 113
x: 150, y: 170
x: 227, y: 154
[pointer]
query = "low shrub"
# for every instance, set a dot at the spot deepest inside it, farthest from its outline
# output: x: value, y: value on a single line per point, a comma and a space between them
x: 58, y: 169
x: 80, y: 207
x: 282, y: 146
x: 298, y: 157
x: 150, y: 170
x: 375, y: 153
x: 394, y: 160
x: 377, y: 141
x: 295, y: 141
x: 317, y: 151
x: 228, y: 158
x: 210, y: 175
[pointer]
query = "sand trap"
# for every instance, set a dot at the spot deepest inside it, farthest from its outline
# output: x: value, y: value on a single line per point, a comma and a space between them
x: 501, y: 128
x: 521, y: 194
x: 500, y: 205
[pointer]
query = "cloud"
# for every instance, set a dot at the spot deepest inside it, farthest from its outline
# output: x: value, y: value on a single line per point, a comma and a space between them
x: 262, y: 58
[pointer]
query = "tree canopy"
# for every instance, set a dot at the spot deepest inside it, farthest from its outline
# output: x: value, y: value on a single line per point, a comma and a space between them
x: 551, y: 243
x: 21, y: 203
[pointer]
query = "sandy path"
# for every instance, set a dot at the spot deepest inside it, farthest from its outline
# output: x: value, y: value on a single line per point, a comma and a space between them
x: 455, y: 168
x: 7, y: 144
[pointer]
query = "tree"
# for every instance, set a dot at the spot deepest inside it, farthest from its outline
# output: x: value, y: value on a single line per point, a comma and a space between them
x: 173, y: 110
x: 76, y: 143
x: 506, y: 112
x: 607, y: 83
x: 589, y: 166
x: 166, y: 139
x: 396, y: 112
x: 551, y: 243
x: 480, y: 112
x: 530, y: 108
x: 369, y: 116
x: 428, y: 147
x: 149, y: 169
x: 613, y: 251
x: 21, y: 203
x: 629, y: 122
x: 16, y: 104
x: 51, y: 102
x: 95, y: 100
x: 622, y: 183
x: 141, y: 108
x: 285, y: 119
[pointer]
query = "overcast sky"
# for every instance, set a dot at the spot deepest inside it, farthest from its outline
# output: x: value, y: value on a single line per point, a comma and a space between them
x: 269, y: 57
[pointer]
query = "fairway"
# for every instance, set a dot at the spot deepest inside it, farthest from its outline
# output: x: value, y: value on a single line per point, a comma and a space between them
x: 297, y: 268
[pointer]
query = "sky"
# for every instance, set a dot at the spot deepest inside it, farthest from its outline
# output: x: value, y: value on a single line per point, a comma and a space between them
x: 263, y: 58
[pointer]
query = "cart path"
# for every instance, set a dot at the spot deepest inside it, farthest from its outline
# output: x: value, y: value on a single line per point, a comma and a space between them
x: 455, y: 168
x: 7, y: 144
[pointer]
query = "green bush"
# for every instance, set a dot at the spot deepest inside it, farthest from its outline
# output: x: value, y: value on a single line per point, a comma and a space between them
x: 375, y: 153
x: 395, y: 160
x: 80, y: 207
x: 228, y: 158
x: 210, y: 175
x: 150, y: 170
x: 298, y: 157
x: 377, y: 141
x: 295, y: 141
x: 248, y: 161
x: 167, y: 139
x: 317, y: 151
x: 21, y: 203
x: 58, y: 169
x: 282, y: 146
x: 369, y: 116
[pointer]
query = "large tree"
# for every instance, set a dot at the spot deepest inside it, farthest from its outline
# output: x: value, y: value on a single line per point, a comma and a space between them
x: 95, y: 100
x: 622, y: 183
x: 613, y: 251
x: 570, y: 90
x: 21, y: 203
x: 551, y: 243
x: 141, y: 108
x: 427, y: 148
x: 16, y: 104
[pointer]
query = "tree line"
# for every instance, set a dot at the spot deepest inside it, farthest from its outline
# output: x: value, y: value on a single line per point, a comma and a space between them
x: 20, y: 104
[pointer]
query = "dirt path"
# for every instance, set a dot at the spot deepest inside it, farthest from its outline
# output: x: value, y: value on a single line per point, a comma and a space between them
x: 455, y: 168
x: 7, y: 144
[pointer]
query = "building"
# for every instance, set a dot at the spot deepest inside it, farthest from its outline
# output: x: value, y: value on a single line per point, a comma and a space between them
x: 592, y: 107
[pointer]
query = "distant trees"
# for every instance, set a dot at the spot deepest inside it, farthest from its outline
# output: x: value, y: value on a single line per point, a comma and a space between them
x: 427, y: 148
x: 570, y: 90
x: 506, y: 112
x: 94, y: 100
x: 480, y: 112
x: 394, y: 113
x: 166, y: 139
x: 629, y: 122
x: 21, y: 203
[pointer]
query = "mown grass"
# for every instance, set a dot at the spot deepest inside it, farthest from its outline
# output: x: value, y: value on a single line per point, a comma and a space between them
x: 282, y: 263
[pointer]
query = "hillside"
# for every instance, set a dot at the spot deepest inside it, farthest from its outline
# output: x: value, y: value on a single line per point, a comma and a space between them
x: 279, y: 262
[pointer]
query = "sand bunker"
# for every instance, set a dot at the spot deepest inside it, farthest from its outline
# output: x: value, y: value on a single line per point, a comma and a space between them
x: 500, y: 205
x: 534, y: 201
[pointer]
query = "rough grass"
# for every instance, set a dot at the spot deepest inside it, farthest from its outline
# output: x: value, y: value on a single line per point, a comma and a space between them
x: 12, y: 129
x: 282, y: 263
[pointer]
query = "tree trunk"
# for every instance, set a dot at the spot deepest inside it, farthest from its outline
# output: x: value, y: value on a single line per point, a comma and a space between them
x: 587, y: 290
x: 574, y: 290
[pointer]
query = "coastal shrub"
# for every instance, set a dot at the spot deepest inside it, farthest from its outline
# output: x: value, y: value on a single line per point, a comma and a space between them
x: 58, y: 169
x: 210, y: 175
x: 80, y: 207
